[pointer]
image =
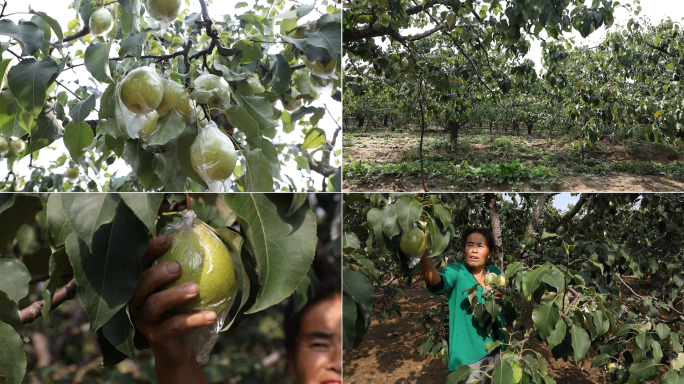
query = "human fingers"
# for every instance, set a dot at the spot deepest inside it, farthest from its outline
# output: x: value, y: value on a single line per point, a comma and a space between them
x: 157, y: 304
x: 150, y: 280
x: 178, y: 324
x: 156, y: 248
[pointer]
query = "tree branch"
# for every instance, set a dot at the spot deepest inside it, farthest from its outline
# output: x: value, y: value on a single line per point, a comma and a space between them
x: 496, y: 227
x: 32, y: 312
x: 534, y: 221
x: 77, y: 35
x: 661, y: 50
x: 426, y: 33
x: 39, y: 278
x: 583, y: 199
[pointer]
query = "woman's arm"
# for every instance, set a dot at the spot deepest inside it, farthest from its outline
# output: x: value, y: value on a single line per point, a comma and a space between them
x: 428, y: 270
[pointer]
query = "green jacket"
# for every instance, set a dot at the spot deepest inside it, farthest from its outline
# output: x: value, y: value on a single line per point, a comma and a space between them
x: 466, y: 337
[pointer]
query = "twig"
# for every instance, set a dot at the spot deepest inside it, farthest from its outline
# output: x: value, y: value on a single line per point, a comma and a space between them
x: 646, y: 297
x: 187, y: 201
x: 39, y: 278
x: 57, y: 81
x: 76, y: 35
x: 338, y: 125
x: 422, y: 132
x: 573, y: 302
x: 15, y: 55
x: 3, y: 10
x: 32, y: 312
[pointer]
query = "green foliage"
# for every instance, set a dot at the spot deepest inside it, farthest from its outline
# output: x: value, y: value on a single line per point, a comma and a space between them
x: 464, y: 175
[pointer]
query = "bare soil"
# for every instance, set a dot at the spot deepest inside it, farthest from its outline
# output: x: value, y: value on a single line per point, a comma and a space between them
x: 392, y: 147
x: 571, y: 183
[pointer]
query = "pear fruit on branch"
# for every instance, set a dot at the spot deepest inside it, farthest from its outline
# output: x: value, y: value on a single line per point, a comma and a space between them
x: 142, y: 90
x: 175, y: 96
x: 213, y: 91
x: 213, y: 157
x: 101, y: 22
x: 206, y: 261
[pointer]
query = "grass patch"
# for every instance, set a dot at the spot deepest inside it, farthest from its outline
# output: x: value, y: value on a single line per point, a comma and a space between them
x: 463, y: 175
x: 673, y: 170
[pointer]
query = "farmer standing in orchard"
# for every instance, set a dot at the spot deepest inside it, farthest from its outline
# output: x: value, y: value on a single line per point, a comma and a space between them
x: 466, y: 337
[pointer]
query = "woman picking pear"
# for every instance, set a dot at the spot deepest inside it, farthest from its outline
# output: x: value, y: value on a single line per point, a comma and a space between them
x: 466, y: 337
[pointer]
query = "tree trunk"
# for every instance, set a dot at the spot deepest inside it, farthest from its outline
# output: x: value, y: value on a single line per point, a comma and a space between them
x: 453, y: 127
x: 529, y: 128
x: 361, y: 120
x: 534, y: 221
x: 491, y: 127
x: 496, y: 228
x: 385, y: 123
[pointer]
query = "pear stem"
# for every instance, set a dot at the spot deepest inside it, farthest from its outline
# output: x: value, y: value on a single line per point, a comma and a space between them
x: 187, y: 201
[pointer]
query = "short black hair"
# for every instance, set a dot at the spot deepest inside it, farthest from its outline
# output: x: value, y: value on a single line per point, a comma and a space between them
x: 482, y: 231
x: 329, y: 285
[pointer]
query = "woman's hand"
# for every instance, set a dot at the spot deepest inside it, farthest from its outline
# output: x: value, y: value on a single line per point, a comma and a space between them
x: 174, y: 358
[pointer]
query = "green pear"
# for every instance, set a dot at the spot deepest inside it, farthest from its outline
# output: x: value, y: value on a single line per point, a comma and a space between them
x: 4, y: 145
x: 17, y: 145
x: 292, y: 105
x: 213, y: 91
x: 149, y: 125
x: 451, y: 18
x: 101, y: 22
x: 175, y: 96
x: 72, y: 173
x: 163, y: 9
x: 142, y: 90
x: 325, y: 71
x: 204, y: 260
x: 212, y: 154
x: 413, y: 243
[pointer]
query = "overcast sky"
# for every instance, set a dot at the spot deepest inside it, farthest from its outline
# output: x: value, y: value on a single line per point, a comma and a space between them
x: 59, y: 10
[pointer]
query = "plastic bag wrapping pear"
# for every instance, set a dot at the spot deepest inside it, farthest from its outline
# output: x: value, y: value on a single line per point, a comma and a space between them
x: 142, y: 90
x: 101, y: 22
x: 212, y: 90
x: 176, y: 97
x: 213, y: 157
x: 163, y: 11
x: 140, y: 125
x: 205, y: 260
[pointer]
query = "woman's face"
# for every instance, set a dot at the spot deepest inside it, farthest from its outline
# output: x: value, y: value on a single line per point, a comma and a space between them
x: 318, y: 347
x: 476, y: 251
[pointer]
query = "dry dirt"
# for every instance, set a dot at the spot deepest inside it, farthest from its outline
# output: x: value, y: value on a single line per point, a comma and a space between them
x: 572, y: 183
x: 381, y: 147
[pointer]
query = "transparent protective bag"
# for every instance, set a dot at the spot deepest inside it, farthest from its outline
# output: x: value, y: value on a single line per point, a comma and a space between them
x: 140, y: 125
x: 163, y: 11
x: 206, y: 260
x: 212, y: 90
x: 213, y: 157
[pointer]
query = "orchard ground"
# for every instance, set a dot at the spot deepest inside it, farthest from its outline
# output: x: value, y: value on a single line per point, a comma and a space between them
x: 390, y: 352
x: 382, y: 160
